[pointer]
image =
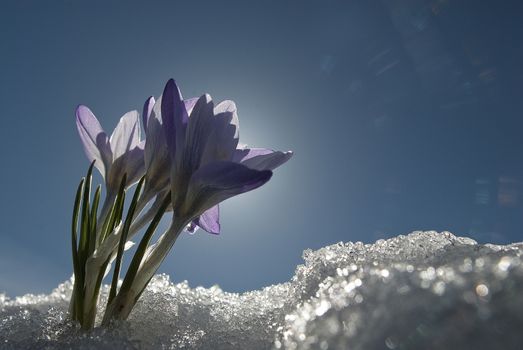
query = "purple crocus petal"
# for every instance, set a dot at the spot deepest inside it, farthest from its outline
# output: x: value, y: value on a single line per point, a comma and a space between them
x: 189, y: 104
x: 94, y: 140
x: 229, y: 106
x: 174, y: 117
x: 131, y: 163
x: 268, y: 161
x: 157, y: 159
x: 147, y: 109
x: 243, y: 154
x: 224, y: 137
x: 201, y: 126
x: 154, y: 135
x: 210, y: 220
x: 217, y: 181
x: 134, y: 164
x: 126, y: 135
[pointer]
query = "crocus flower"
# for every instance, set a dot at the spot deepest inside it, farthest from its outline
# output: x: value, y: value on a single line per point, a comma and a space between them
x: 157, y: 159
x: 156, y: 155
x: 122, y: 153
x: 206, y: 166
x: 253, y: 158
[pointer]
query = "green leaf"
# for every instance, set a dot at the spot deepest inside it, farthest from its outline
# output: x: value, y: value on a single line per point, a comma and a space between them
x: 81, y: 254
x: 119, y: 210
x: 84, y: 224
x: 144, y: 243
x: 93, y: 223
x: 111, y: 221
x: 105, y: 227
x: 74, y: 246
x: 90, y: 313
x: 123, y: 238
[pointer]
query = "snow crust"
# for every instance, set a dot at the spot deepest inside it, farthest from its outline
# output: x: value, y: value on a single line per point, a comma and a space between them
x: 425, y: 290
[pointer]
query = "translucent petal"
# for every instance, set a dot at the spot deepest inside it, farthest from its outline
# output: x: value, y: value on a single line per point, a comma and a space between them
x: 126, y: 135
x: 94, y: 140
x: 218, y: 181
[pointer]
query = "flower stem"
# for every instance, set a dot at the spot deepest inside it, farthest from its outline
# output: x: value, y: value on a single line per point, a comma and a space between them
x: 123, y: 303
x: 106, y: 210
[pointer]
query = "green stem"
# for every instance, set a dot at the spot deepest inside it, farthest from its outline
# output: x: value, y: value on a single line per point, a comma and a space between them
x: 96, y: 264
x: 106, y: 210
x: 123, y: 303
x: 92, y: 308
x: 123, y: 238
x: 73, y: 305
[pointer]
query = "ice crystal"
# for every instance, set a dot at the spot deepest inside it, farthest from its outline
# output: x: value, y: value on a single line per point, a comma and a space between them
x: 426, y: 290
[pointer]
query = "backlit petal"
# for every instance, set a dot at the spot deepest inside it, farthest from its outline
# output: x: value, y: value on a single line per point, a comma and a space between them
x: 266, y: 160
x: 94, y: 140
x: 157, y: 159
x: 217, y: 181
x: 223, y: 139
x: 189, y: 104
x: 200, y: 127
x: 131, y: 163
x: 147, y: 110
x: 210, y: 220
x: 229, y: 106
x: 126, y: 135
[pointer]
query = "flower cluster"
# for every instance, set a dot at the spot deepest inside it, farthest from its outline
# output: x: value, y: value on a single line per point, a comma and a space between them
x: 189, y: 162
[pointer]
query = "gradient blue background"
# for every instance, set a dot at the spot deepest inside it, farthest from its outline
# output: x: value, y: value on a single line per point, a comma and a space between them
x: 403, y: 115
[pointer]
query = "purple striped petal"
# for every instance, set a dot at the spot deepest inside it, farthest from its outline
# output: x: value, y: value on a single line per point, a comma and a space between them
x: 224, y: 137
x: 131, y: 163
x: 200, y: 127
x: 135, y: 165
x: 154, y: 136
x: 243, y: 154
x: 126, y: 135
x: 218, y: 181
x: 210, y: 220
x: 268, y: 161
x: 174, y: 118
x: 189, y: 104
x: 94, y: 140
x: 157, y: 159
x: 147, y: 110
x: 228, y: 111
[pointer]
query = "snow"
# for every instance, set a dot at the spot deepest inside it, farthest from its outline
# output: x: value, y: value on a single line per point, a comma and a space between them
x: 425, y: 290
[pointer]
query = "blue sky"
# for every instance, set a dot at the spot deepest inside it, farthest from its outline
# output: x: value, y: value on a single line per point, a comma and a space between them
x: 403, y: 115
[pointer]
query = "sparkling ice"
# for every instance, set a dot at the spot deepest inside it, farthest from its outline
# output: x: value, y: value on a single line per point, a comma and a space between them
x: 425, y: 290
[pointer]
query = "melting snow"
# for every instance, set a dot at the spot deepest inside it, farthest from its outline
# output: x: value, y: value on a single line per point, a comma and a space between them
x: 426, y: 290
